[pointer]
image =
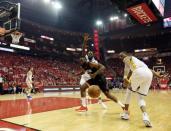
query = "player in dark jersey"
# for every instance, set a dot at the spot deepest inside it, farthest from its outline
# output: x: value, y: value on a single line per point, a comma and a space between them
x: 85, y: 76
x: 95, y: 70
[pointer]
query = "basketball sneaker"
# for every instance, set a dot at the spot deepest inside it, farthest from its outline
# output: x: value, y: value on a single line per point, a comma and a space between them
x: 146, y: 120
x: 29, y: 98
x: 125, y: 115
x: 82, y: 109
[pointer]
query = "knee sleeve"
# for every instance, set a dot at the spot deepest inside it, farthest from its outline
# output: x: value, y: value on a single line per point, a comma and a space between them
x: 141, y: 101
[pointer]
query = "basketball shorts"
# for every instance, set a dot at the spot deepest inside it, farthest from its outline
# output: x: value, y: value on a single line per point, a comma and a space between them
x: 99, y: 80
x: 29, y: 84
x: 141, y: 80
x: 85, y: 77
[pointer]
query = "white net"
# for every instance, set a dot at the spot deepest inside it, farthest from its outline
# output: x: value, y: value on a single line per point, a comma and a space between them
x: 16, y: 37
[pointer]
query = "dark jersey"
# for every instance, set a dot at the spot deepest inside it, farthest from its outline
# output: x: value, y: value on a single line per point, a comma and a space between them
x: 89, y: 69
x: 99, y: 80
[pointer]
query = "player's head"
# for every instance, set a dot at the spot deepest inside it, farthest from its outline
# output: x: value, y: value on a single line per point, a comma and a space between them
x: 90, y: 55
x: 122, y: 55
x: 83, y: 60
x: 31, y: 68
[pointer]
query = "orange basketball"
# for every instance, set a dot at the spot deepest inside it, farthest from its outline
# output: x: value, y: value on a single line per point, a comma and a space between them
x: 94, y: 91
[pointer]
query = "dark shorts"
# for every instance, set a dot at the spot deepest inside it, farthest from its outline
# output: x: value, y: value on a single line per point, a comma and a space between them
x: 99, y: 80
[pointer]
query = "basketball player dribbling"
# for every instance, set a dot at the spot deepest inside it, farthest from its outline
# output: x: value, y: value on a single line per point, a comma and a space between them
x: 95, y: 70
x: 85, y: 77
x: 29, y: 83
x: 138, y: 78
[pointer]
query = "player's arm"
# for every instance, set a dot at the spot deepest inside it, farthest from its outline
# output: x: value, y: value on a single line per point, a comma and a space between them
x: 81, y: 72
x: 100, y: 68
x: 156, y: 74
x: 127, y: 75
x: 84, y: 46
x: 127, y: 72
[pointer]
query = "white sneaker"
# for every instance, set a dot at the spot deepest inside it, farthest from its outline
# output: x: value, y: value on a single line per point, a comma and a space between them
x: 146, y: 120
x: 125, y: 116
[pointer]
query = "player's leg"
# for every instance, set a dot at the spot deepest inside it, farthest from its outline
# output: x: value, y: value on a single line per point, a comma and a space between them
x: 135, y: 83
x: 83, y: 98
x: 113, y: 98
x: 142, y: 105
x: 101, y: 82
x: 143, y: 91
x: 85, y: 77
x: 125, y: 114
x: 28, y: 90
x: 100, y: 101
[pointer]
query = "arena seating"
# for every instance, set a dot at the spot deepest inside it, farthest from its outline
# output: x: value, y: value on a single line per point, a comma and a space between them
x: 47, y: 72
x: 52, y: 73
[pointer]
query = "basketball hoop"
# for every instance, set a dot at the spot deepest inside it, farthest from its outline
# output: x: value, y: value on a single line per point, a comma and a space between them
x: 16, y: 37
x: 9, y: 17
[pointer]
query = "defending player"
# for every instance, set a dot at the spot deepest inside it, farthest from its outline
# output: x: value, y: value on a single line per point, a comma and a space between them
x: 95, y: 70
x: 138, y: 78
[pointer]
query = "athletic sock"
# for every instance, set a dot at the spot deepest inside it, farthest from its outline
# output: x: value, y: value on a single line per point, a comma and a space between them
x: 83, y: 101
x: 120, y: 103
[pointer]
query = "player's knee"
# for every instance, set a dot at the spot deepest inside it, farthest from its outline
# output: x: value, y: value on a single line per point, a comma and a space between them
x: 84, y: 87
x: 141, y: 101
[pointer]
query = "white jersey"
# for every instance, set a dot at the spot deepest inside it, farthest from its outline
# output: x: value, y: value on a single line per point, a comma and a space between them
x: 29, y: 76
x: 141, y: 77
x: 132, y: 63
x: 93, y: 59
x: 85, y: 77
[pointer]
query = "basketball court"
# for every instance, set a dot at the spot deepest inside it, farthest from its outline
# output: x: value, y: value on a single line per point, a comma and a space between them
x: 56, y: 112
x: 52, y: 108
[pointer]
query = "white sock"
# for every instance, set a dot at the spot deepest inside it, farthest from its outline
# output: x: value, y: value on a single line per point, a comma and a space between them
x: 120, y: 103
x: 83, y: 101
x: 145, y: 113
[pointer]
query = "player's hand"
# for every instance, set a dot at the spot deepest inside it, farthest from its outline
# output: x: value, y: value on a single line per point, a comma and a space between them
x: 126, y: 83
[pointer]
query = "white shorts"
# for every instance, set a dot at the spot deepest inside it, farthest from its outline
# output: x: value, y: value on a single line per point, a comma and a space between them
x: 141, y: 80
x: 29, y: 84
x: 85, y: 77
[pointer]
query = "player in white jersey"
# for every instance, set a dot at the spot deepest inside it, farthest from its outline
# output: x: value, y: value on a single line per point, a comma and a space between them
x: 138, y: 78
x: 85, y: 77
x: 29, y: 83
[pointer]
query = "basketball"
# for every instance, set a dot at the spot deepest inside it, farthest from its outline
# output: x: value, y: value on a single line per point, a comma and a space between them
x: 94, y: 91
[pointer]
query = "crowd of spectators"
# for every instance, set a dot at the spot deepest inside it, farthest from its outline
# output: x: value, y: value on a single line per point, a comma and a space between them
x: 47, y: 72
x: 56, y: 72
